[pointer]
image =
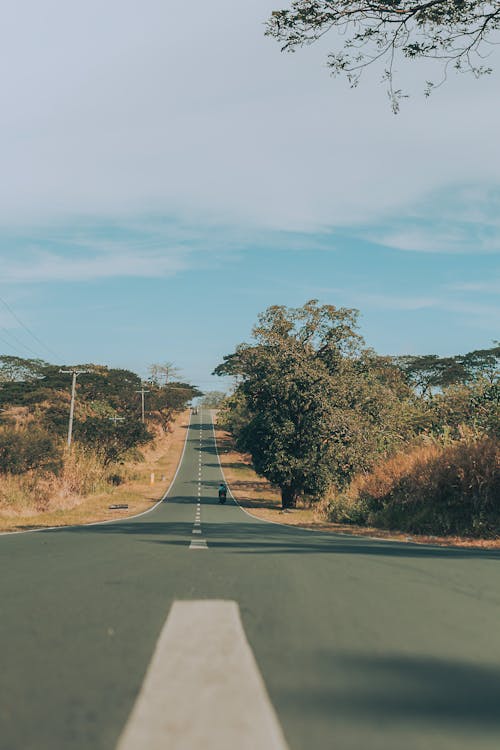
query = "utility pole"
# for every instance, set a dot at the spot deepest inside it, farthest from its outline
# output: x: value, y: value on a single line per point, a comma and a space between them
x: 75, y: 374
x: 142, y: 392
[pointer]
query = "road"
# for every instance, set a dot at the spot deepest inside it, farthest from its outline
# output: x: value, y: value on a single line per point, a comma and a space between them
x: 360, y: 643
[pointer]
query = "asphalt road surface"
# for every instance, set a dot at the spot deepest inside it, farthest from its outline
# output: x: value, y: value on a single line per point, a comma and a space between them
x: 360, y: 643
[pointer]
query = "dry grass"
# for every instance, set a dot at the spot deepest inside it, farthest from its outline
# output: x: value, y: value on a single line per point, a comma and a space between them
x: 82, y: 495
x: 260, y: 499
x: 451, y: 489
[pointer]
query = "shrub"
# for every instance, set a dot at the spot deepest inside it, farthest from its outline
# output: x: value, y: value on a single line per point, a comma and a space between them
x: 112, y: 441
x: 432, y: 489
x: 23, y: 450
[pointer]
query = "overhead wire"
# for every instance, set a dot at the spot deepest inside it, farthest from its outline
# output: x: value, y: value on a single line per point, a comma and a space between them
x: 28, y: 330
x: 18, y: 342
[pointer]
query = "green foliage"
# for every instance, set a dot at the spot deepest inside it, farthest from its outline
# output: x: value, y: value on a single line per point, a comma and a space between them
x: 111, y: 440
x: 428, y: 373
x: 213, y: 399
x: 23, y: 450
x: 42, y: 392
x: 233, y: 413
x: 455, y: 34
x: 311, y: 405
x: 169, y: 398
x: 316, y: 410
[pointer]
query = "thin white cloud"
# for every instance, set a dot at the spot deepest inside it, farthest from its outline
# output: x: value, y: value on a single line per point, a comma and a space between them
x: 479, y: 287
x: 51, y: 267
x: 461, y: 220
x: 186, y: 108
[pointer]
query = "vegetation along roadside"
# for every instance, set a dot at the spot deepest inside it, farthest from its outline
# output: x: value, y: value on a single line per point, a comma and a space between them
x: 120, y: 454
x: 407, y: 444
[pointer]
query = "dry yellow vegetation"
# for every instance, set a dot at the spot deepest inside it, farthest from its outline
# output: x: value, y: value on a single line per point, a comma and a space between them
x: 81, y: 494
x: 259, y: 498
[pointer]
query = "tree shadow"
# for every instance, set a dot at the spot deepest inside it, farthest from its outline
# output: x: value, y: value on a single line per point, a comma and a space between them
x: 210, y: 449
x: 252, y: 538
x: 400, y: 688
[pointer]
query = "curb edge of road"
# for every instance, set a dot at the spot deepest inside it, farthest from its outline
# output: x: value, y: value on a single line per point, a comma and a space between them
x: 113, y: 520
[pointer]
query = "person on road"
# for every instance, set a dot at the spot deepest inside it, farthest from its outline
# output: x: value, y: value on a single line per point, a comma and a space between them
x: 222, y: 492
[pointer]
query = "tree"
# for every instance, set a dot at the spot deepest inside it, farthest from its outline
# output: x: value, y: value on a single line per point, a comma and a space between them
x: 456, y: 33
x: 315, y: 401
x: 110, y: 439
x: 428, y: 371
x: 161, y: 374
x: 213, y: 399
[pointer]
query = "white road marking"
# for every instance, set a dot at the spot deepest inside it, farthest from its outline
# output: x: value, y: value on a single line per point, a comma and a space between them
x: 203, y: 689
x: 196, y: 531
x: 198, y: 544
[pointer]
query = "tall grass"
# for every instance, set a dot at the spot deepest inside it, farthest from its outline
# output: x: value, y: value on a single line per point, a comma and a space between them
x: 451, y: 489
x: 82, y: 473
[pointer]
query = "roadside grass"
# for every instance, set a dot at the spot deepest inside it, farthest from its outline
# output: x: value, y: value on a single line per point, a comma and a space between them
x: 259, y: 498
x: 55, y: 503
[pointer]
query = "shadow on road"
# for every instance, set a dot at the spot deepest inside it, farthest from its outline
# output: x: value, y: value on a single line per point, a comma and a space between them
x: 387, y: 689
x: 251, y: 538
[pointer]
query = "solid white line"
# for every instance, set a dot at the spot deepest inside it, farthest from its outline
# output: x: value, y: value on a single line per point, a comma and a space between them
x: 203, y: 689
x: 113, y: 520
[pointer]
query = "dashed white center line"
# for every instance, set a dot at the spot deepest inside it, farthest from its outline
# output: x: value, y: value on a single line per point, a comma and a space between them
x: 198, y: 544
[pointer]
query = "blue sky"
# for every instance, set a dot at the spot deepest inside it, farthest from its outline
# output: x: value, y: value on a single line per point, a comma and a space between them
x: 168, y: 174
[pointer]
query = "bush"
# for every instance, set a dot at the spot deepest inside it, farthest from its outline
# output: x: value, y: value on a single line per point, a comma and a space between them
x: 433, y: 489
x: 23, y: 450
x: 112, y: 441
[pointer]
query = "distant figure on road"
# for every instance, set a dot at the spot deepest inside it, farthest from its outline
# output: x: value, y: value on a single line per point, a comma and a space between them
x: 222, y: 493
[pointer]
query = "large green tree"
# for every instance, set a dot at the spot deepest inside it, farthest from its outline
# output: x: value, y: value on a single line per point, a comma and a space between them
x: 454, y: 33
x: 316, y: 404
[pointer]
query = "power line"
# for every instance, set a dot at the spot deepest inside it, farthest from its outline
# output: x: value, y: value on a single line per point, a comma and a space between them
x: 28, y: 330
x: 19, y: 342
